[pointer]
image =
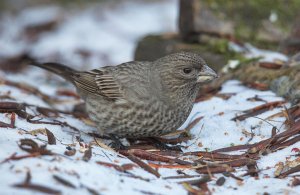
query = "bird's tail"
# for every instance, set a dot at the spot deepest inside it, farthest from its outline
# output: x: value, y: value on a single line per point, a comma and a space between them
x: 59, y: 69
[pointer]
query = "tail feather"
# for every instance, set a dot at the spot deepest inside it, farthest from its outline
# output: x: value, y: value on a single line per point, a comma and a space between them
x: 59, y: 69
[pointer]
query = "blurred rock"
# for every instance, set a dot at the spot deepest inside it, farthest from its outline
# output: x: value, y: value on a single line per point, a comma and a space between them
x: 284, y: 82
x: 155, y: 46
x: 270, y: 33
x: 292, y: 44
x: 294, y: 60
x: 256, y: 22
x: 287, y: 87
x: 196, y: 18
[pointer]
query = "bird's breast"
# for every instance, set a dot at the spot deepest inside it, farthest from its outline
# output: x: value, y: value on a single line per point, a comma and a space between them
x: 131, y: 118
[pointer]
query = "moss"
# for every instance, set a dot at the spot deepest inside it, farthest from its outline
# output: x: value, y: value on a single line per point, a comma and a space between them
x: 214, y: 50
x: 254, y: 73
x: 248, y: 17
x: 252, y: 12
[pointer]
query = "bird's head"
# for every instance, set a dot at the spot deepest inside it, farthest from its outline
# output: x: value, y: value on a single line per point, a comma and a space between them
x: 183, y: 73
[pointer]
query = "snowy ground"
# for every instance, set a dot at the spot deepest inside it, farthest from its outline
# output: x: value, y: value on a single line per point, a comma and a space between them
x: 214, y: 131
x: 114, y: 37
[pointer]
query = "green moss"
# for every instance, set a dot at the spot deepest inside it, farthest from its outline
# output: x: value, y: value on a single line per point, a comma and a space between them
x: 252, y: 12
x: 220, y: 46
x: 248, y: 16
x: 254, y: 73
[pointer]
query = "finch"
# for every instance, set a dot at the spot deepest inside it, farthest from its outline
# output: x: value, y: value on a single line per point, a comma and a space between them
x: 139, y: 98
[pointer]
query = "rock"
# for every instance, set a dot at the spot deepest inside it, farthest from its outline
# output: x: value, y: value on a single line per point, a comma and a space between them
x: 269, y: 32
x: 236, y: 20
x: 295, y: 59
x: 155, y: 46
x: 195, y: 18
x: 291, y: 45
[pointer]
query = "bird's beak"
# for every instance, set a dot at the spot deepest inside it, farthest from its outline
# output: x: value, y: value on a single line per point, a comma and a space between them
x: 206, y: 75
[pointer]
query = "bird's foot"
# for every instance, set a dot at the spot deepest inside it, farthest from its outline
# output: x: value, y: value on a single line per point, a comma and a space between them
x: 116, y: 143
x: 159, y: 144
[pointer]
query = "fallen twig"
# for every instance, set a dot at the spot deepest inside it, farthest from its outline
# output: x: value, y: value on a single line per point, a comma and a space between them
x: 291, y: 171
x: 64, y: 181
x: 36, y: 187
x: 15, y: 157
x: 270, y: 65
x: 51, y: 137
x: 31, y: 146
x: 146, y: 155
x: 258, y: 110
x: 143, y: 165
x: 87, y: 154
x: 32, y: 90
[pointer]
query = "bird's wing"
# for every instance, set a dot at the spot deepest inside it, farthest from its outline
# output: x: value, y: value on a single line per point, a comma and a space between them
x: 98, y: 82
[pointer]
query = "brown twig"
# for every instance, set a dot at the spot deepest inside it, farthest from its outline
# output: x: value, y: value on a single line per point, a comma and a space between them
x: 121, y: 168
x: 146, y: 155
x: 32, y: 90
x: 64, y: 181
x: 258, y: 110
x: 291, y: 171
x: 31, y: 146
x: 87, y: 154
x: 36, y: 187
x: 169, y: 166
x: 257, y: 85
x: 270, y: 65
x: 51, y: 137
x: 15, y: 157
x: 143, y: 165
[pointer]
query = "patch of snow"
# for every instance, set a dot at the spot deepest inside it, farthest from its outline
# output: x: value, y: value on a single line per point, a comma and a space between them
x: 215, y: 130
x: 232, y: 64
x: 38, y: 15
x: 265, y: 55
x: 273, y: 16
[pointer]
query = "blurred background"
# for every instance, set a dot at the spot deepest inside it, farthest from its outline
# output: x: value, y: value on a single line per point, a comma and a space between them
x: 81, y: 33
x: 89, y: 34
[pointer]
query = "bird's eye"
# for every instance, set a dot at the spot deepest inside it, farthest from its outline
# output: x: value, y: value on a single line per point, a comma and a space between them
x: 187, y: 70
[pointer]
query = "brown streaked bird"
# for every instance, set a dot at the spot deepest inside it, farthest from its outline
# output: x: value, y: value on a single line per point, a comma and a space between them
x: 139, y: 98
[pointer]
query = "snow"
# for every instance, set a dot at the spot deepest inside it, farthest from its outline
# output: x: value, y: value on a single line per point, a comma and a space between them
x: 114, y: 34
x: 220, y: 127
x: 250, y: 51
x: 213, y: 131
x: 265, y: 55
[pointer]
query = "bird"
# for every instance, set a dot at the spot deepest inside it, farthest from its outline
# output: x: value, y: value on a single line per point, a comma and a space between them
x: 139, y: 99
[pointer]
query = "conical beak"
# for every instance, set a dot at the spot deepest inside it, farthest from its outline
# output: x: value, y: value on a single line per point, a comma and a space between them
x: 206, y: 75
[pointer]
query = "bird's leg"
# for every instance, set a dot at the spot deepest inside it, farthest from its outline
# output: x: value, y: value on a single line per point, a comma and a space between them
x: 159, y: 144
x: 116, y: 143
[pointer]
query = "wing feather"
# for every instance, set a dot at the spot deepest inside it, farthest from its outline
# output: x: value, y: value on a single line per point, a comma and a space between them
x: 98, y: 82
